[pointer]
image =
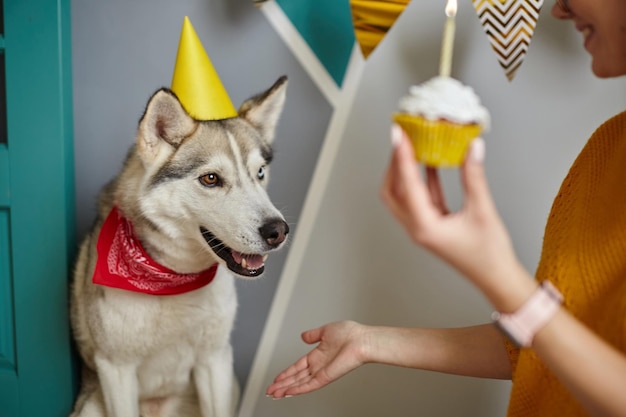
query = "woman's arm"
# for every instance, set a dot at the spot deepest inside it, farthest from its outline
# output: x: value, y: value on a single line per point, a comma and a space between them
x: 344, y: 346
x: 471, y: 351
x: 589, y: 367
x: 593, y: 371
x: 475, y: 242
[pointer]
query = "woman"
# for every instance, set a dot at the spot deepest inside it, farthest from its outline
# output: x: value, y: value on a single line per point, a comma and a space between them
x: 572, y: 359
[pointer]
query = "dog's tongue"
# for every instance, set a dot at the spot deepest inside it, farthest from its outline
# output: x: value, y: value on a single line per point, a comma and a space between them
x: 251, y: 261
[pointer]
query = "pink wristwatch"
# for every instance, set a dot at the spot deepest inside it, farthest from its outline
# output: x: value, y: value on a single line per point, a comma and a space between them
x: 521, y: 326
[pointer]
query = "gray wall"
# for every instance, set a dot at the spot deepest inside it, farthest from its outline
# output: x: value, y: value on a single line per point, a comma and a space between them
x: 360, y: 265
x: 124, y: 50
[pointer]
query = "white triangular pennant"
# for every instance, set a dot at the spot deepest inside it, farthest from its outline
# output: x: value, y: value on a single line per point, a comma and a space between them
x: 509, y: 25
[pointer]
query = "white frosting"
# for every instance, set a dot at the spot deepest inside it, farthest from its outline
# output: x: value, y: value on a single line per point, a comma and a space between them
x: 445, y: 98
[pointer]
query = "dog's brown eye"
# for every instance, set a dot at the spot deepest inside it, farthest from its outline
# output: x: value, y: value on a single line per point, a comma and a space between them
x: 210, y: 180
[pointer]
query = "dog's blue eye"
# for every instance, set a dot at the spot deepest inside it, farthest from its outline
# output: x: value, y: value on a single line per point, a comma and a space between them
x: 210, y: 180
x: 261, y: 174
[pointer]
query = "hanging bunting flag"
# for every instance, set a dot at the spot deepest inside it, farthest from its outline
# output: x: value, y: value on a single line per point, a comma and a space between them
x: 509, y: 24
x: 372, y: 20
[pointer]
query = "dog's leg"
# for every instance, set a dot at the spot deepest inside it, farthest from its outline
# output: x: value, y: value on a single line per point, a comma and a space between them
x: 89, y: 402
x: 89, y: 405
x: 218, y: 391
x: 119, y: 388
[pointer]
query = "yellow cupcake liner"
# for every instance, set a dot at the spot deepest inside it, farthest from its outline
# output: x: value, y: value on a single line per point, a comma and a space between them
x: 438, y: 143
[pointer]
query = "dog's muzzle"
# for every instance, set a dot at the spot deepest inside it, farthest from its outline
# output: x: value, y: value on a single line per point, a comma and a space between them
x: 274, y: 233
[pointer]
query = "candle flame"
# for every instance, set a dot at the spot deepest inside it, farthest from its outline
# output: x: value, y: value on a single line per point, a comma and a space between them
x: 451, y: 8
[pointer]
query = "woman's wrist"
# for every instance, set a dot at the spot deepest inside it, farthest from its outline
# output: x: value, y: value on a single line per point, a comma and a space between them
x: 382, y: 344
x: 522, y: 325
x: 512, y: 291
x: 366, y: 343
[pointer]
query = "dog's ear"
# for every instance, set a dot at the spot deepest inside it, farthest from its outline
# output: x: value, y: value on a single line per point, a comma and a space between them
x: 164, y: 125
x: 263, y: 110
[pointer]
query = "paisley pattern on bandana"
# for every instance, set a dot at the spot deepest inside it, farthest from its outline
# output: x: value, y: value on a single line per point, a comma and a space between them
x: 123, y: 263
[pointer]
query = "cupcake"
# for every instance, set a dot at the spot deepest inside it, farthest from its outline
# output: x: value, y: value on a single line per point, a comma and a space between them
x: 441, y: 116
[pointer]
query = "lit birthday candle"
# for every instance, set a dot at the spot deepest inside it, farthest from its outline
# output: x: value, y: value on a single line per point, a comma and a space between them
x: 445, y: 64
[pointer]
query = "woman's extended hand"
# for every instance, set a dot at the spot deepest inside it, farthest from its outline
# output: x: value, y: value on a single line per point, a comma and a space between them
x: 473, y: 239
x: 340, y: 350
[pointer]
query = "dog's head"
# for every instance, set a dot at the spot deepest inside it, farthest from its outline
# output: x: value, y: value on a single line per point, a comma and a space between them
x: 205, y: 181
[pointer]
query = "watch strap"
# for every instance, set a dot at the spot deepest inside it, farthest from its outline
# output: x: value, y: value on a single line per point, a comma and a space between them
x: 522, y: 325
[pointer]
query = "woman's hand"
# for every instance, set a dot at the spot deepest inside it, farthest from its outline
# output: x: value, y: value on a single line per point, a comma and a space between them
x: 473, y: 240
x: 340, y: 350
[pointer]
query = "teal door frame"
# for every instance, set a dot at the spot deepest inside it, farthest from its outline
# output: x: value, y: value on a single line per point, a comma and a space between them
x: 37, y: 375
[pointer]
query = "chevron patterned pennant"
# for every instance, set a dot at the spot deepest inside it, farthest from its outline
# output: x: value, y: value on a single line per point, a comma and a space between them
x: 509, y: 25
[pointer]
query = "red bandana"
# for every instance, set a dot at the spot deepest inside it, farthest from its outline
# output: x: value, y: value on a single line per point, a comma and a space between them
x: 123, y: 263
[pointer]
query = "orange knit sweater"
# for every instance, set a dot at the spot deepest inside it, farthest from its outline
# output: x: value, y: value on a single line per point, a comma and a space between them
x: 584, y: 255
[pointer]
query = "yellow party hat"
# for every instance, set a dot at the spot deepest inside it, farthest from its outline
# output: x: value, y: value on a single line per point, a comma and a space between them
x: 196, y: 82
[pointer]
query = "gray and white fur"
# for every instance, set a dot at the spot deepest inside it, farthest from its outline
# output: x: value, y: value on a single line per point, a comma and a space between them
x: 195, y: 194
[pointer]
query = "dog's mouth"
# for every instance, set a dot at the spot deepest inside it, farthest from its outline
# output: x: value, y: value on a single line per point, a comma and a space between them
x: 244, y: 264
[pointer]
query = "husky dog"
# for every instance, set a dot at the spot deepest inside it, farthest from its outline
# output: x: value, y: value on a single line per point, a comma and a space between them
x: 190, y: 198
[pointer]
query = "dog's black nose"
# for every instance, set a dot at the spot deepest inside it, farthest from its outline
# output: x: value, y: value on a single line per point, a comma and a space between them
x: 274, y: 232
